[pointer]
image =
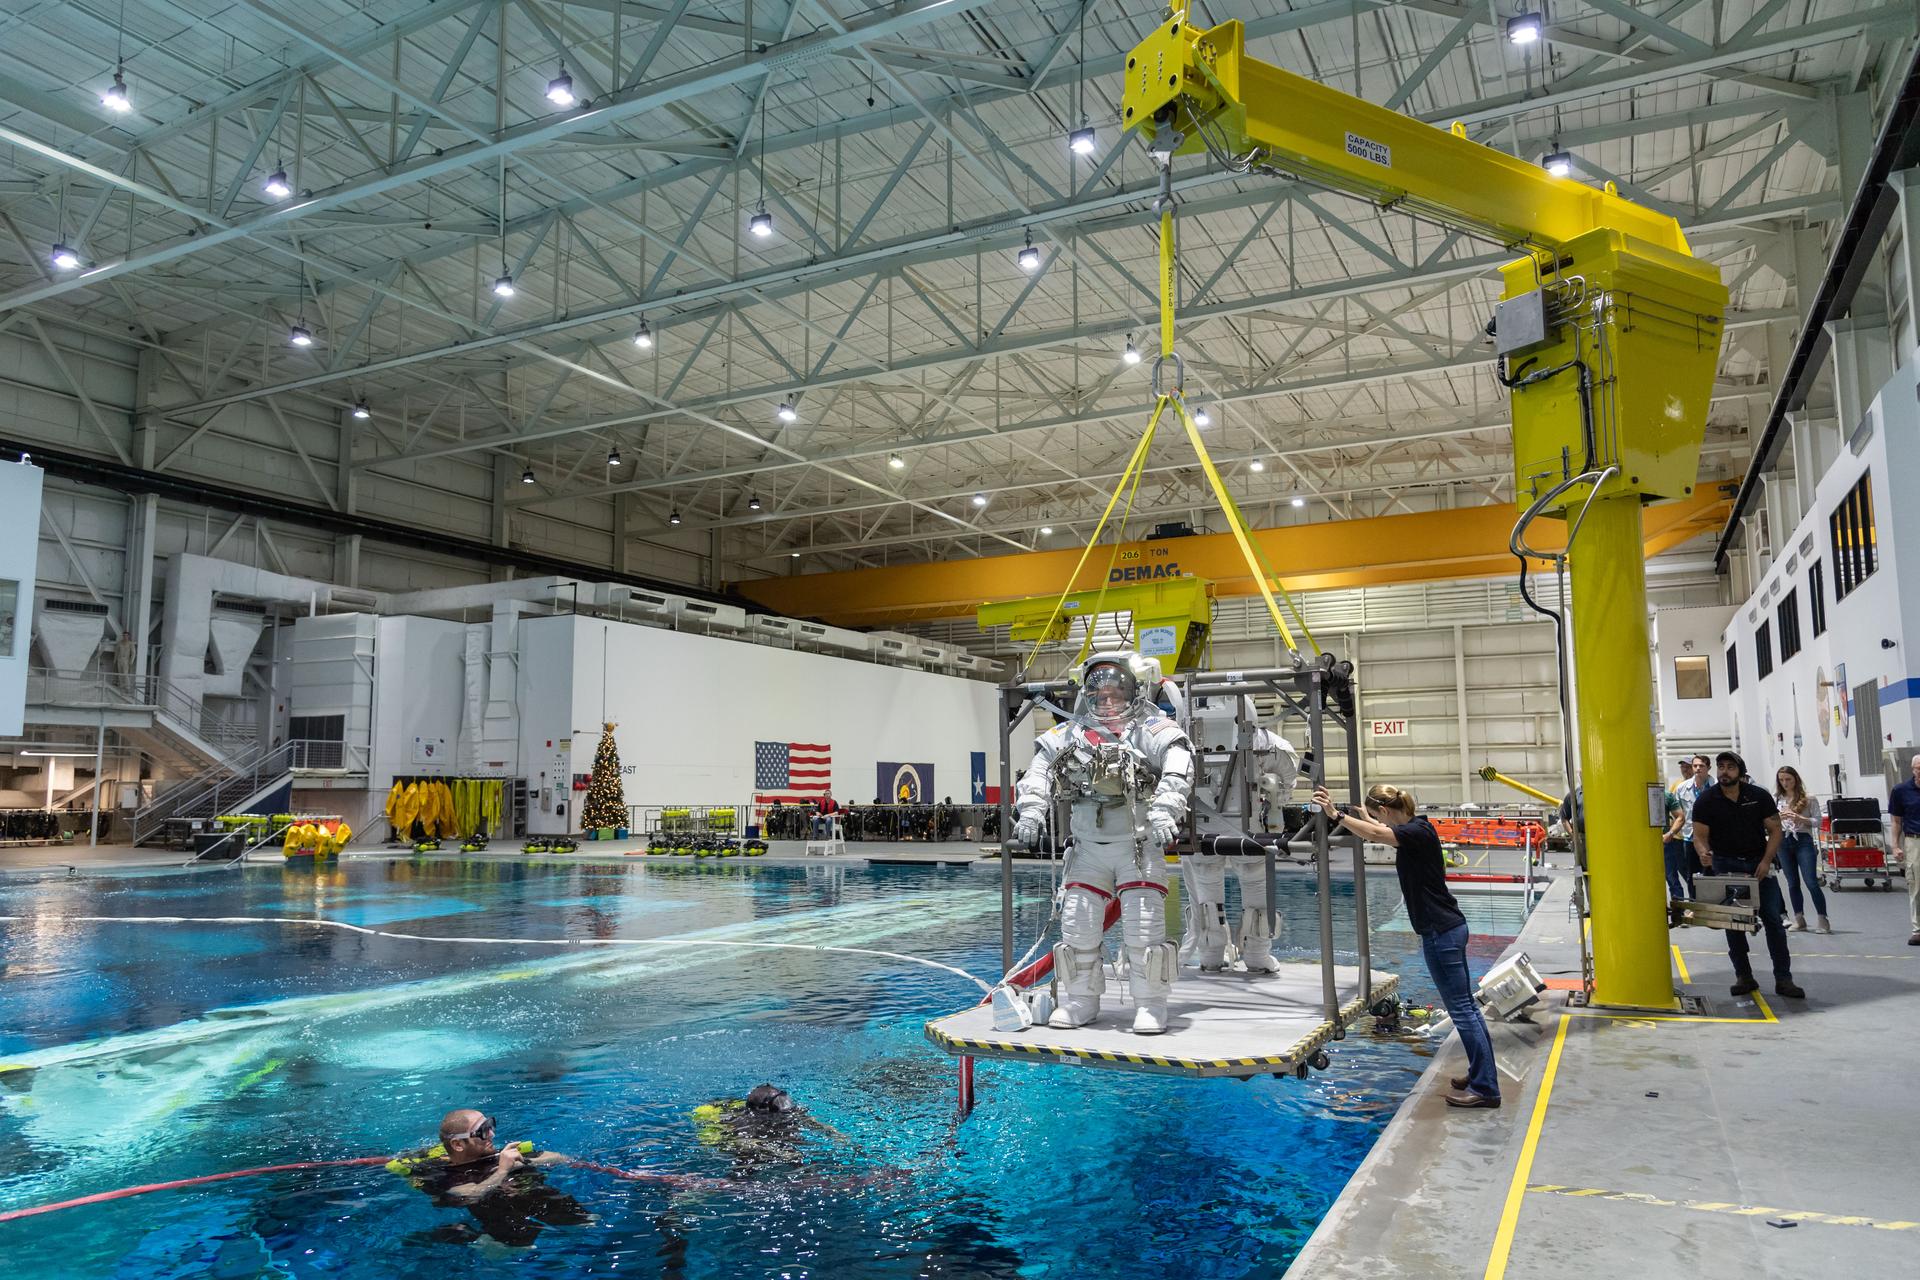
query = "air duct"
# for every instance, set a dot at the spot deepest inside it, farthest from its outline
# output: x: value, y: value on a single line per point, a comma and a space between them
x: 233, y: 639
x: 68, y: 633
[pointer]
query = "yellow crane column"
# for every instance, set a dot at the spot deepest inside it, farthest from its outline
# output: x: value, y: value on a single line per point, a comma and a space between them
x: 1626, y: 883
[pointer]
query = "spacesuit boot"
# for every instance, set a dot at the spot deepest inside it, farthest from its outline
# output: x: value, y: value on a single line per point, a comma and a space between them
x: 1150, y: 978
x: 1151, y: 958
x: 1078, y: 980
x: 1207, y: 910
x: 1256, y: 943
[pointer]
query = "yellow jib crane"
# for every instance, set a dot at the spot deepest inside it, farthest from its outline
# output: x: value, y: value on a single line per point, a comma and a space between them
x: 1610, y: 334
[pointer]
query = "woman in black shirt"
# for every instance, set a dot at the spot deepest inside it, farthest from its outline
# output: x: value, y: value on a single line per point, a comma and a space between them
x: 1435, y: 916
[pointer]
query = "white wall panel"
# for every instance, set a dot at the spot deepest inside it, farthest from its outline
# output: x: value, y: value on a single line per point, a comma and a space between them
x: 690, y: 709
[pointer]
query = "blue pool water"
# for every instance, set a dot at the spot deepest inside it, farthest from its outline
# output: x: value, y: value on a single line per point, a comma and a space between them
x: 156, y: 1052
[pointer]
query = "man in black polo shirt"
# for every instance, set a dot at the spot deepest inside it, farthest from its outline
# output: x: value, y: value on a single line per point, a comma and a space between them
x: 1736, y: 832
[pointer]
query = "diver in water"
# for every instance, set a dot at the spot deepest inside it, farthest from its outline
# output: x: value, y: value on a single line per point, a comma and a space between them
x: 764, y: 1128
x: 502, y: 1187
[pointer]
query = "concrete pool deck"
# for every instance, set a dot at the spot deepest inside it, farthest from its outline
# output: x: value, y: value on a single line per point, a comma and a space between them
x: 1771, y: 1138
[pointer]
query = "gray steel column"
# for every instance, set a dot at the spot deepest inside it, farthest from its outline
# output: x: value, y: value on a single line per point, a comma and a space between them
x: 1330, y: 991
x: 1007, y: 719
x: 1360, y: 923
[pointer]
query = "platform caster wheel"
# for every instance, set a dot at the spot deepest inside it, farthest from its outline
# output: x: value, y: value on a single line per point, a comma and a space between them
x: 1320, y: 1061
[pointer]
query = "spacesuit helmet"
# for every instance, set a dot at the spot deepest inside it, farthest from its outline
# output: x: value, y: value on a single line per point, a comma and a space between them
x: 1111, y: 691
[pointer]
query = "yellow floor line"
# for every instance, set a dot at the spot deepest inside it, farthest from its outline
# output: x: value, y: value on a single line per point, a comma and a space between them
x: 1720, y: 1206
x: 1664, y: 1017
x: 1829, y: 955
x: 1680, y: 966
x: 1516, y: 1191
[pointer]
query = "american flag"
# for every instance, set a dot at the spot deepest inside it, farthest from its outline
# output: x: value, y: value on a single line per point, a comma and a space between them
x: 791, y: 772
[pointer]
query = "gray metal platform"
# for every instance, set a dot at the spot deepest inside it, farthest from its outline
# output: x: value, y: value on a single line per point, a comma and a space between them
x: 1221, y: 1024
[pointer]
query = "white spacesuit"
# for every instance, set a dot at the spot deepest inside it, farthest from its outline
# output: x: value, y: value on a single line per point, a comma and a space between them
x: 1215, y: 725
x: 1127, y: 771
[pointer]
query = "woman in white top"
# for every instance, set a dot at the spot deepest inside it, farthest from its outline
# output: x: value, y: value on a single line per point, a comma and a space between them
x: 1798, y: 813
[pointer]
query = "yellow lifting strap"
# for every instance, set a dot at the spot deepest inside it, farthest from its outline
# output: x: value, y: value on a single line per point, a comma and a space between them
x: 1238, y: 525
x: 1135, y: 464
x: 1263, y: 575
x: 1273, y: 575
x: 1113, y: 558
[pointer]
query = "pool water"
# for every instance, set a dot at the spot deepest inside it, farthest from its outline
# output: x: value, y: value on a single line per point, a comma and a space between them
x: 154, y: 1052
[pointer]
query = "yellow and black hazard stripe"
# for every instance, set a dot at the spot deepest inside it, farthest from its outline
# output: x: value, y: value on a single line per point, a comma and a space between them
x: 1029, y: 1051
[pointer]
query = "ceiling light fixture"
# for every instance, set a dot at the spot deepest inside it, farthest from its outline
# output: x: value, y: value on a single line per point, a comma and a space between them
x: 1299, y: 502
x: 979, y: 499
x: 643, y: 336
x: 1558, y: 163
x: 64, y: 259
x: 1046, y: 531
x: 360, y: 409
x: 1256, y: 465
x: 613, y: 456
x: 673, y: 517
x: 761, y: 224
x: 1029, y: 257
x: 895, y: 461
x: 787, y: 413
x: 1523, y: 28
x: 1132, y: 354
x: 560, y: 89
x: 115, y: 98
x: 753, y: 502
x: 526, y: 477
x: 277, y: 187
x: 1201, y: 418
x: 1081, y: 141
x: 299, y: 337
x: 503, y: 287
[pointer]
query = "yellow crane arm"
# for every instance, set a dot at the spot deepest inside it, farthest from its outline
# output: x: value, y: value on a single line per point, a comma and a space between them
x: 1199, y: 91
x: 1611, y: 328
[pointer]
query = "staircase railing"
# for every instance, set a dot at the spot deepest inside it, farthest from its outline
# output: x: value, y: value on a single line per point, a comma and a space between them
x: 168, y: 701
x: 209, y: 796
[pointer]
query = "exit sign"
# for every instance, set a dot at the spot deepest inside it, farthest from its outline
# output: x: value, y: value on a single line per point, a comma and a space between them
x: 1389, y: 728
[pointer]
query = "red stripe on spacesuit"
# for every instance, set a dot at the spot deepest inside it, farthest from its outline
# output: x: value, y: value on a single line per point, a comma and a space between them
x: 1139, y: 884
x: 1078, y: 884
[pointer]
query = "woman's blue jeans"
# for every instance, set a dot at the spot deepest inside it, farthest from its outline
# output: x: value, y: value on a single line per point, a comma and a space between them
x: 1446, y: 955
x: 1801, y: 861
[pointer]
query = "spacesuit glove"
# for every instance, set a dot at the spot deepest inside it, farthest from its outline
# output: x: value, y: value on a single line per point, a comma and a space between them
x: 1027, y: 832
x: 1161, y: 829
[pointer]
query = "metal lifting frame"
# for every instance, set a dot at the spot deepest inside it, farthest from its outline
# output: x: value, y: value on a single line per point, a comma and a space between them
x: 1303, y: 693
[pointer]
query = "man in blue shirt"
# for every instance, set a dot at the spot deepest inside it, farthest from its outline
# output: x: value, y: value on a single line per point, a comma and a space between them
x: 1679, y: 833
x: 1904, y: 807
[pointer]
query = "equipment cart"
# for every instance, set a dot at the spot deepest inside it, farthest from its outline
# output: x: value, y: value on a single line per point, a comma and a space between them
x: 1853, y: 843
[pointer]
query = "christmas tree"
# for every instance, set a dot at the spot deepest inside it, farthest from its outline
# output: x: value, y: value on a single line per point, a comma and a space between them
x: 606, y: 798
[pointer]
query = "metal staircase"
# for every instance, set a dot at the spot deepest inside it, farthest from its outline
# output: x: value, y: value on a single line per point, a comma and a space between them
x: 164, y: 718
x: 234, y: 787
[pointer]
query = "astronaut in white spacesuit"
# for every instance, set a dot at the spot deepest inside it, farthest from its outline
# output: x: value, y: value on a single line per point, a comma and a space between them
x: 1215, y: 723
x: 1127, y: 771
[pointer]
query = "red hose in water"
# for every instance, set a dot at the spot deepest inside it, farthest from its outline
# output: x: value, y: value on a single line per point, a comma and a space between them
x: 125, y: 1192
x: 687, y: 1181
